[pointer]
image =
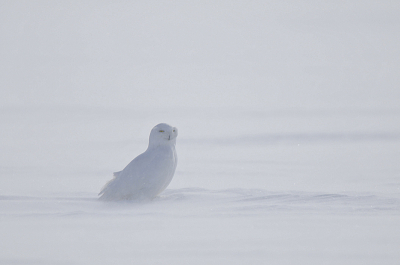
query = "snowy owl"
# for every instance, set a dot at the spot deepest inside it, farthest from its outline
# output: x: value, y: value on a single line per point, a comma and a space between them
x: 148, y: 174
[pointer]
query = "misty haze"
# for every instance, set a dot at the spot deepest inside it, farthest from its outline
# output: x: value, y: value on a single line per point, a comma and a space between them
x: 289, y: 131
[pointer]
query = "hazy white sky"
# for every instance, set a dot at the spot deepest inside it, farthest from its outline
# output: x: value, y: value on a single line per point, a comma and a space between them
x: 204, y: 54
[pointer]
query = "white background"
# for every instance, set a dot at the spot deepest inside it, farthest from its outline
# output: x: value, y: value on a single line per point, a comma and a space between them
x: 289, y: 128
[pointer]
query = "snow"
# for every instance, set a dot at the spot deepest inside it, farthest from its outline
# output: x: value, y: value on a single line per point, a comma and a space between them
x: 289, y: 132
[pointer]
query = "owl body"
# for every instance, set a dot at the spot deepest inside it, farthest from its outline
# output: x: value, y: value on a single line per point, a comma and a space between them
x: 148, y: 174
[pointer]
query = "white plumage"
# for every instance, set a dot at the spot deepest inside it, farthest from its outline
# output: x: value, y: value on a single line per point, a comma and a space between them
x: 149, y: 173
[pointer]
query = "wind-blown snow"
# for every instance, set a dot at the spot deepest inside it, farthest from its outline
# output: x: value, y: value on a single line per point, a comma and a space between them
x: 305, y: 197
x: 289, y: 122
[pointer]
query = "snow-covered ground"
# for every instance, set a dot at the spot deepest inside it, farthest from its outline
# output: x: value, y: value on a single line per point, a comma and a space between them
x: 240, y: 194
x: 289, y: 131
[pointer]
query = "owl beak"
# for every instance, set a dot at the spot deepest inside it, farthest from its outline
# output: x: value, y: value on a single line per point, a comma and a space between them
x: 169, y: 137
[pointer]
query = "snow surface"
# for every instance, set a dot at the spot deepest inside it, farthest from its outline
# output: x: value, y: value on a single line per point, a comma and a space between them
x: 289, y: 122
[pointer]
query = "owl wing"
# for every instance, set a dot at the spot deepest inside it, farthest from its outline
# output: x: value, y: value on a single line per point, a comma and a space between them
x: 116, y: 174
x: 121, y: 186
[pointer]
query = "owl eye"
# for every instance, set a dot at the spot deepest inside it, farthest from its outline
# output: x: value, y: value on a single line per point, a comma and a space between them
x: 161, y: 130
x: 173, y: 130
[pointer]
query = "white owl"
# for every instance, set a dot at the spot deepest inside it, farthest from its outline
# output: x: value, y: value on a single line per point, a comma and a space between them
x: 148, y: 174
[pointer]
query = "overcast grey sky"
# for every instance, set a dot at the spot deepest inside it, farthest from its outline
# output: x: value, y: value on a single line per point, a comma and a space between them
x: 204, y: 54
